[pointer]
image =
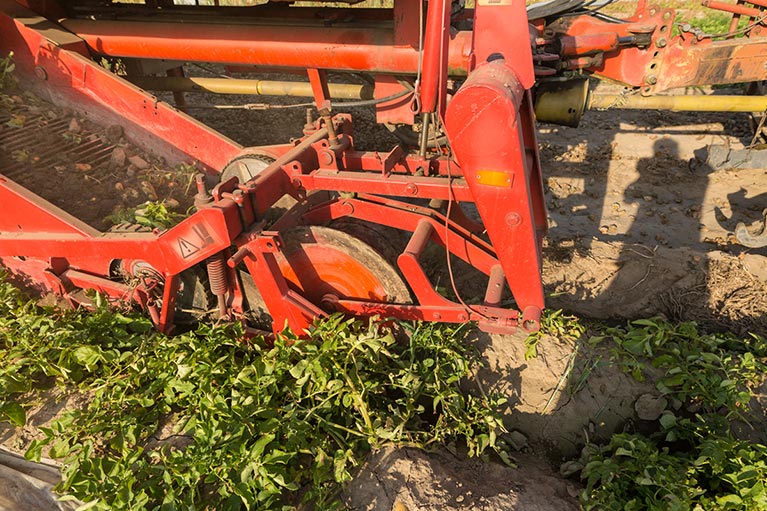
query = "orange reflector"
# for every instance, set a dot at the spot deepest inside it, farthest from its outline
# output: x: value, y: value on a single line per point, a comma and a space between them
x: 494, y: 178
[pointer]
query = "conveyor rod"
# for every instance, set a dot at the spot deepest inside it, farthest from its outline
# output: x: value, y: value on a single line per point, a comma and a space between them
x: 709, y: 103
x: 253, y: 87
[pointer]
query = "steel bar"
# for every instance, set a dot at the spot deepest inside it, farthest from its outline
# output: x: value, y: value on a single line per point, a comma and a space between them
x: 680, y: 103
x: 369, y: 50
x: 252, y: 87
x: 433, y: 81
x: 733, y: 8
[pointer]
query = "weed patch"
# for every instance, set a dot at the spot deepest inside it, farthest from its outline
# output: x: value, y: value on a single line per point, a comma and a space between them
x: 204, y: 420
x: 693, y: 461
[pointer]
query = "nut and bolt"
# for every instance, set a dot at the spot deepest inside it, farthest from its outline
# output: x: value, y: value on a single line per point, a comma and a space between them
x: 41, y: 73
x: 513, y: 219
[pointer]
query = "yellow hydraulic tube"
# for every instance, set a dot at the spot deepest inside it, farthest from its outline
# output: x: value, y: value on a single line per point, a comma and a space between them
x: 679, y: 103
x: 252, y: 87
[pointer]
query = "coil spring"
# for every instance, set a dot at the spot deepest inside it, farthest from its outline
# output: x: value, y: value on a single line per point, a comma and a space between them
x: 217, y: 274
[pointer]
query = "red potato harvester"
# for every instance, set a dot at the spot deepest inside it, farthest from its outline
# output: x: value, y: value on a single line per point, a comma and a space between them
x: 360, y: 226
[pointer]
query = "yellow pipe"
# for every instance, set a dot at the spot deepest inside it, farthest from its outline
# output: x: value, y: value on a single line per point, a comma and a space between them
x: 252, y: 87
x: 679, y: 103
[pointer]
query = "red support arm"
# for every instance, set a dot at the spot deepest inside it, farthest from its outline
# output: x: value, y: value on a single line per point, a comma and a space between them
x: 485, y: 122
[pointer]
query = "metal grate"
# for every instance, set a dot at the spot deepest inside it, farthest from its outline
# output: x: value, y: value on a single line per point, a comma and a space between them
x: 77, y: 169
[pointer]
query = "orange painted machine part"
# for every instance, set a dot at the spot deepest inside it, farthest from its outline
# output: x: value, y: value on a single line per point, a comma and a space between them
x: 488, y: 124
x: 355, y: 49
x: 63, y: 255
x: 588, y: 44
x: 490, y: 157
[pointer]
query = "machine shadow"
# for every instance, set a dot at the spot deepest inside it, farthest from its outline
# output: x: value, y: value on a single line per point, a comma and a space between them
x: 640, y: 226
x: 640, y: 223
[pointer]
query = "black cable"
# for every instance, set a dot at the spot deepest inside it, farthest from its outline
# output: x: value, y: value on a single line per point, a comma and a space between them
x: 370, y: 102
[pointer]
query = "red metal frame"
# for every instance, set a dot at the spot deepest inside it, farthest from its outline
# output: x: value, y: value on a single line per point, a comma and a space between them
x: 491, y: 158
x: 61, y: 254
x: 662, y: 61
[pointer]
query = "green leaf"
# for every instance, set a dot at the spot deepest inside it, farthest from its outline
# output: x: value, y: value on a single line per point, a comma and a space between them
x: 88, y: 505
x: 14, y: 413
x: 34, y: 451
x: 667, y: 420
x: 87, y: 356
x: 729, y: 500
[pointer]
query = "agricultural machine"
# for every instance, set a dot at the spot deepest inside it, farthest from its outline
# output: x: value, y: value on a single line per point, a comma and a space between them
x: 461, y: 87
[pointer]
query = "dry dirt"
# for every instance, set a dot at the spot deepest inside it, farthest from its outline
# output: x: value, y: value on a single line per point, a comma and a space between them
x: 640, y: 225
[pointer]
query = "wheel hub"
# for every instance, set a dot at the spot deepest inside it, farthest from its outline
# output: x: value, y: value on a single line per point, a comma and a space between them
x: 325, y: 264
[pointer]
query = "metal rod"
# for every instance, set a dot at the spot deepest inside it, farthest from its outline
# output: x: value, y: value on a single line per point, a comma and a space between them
x: 425, y: 133
x: 434, y: 68
x: 733, y: 8
x: 253, y: 87
x: 369, y: 49
x: 680, y: 103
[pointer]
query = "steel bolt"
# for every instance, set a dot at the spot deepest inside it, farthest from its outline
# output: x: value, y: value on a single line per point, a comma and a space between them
x: 41, y: 73
x: 661, y: 43
x: 412, y: 189
x: 327, y: 158
x: 651, y: 79
x: 513, y: 219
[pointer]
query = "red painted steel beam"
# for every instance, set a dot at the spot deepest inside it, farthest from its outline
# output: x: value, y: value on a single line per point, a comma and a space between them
x: 487, y: 122
x: 396, y: 185
x: 357, y: 49
x: 434, y: 81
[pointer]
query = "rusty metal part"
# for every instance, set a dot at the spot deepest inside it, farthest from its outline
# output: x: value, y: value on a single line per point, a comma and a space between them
x: 707, y: 103
x: 252, y: 87
x: 217, y: 279
x: 651, y: 58
x: 756, y: 240
x: 561, y: 101
x: 710, y: 62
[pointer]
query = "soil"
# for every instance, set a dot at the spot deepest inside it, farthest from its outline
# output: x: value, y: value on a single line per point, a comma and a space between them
x: 641, y: 222
x: 92, y: 172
